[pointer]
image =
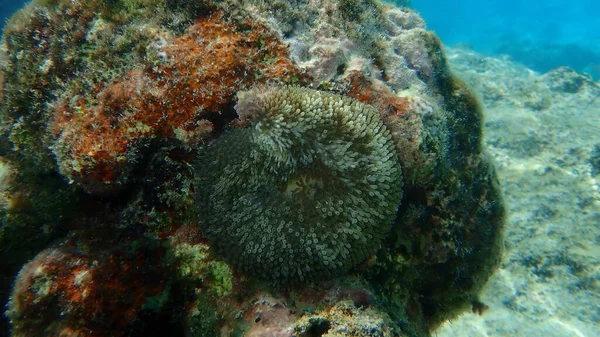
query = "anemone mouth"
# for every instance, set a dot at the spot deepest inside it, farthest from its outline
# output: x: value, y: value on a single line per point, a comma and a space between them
x: 302, y: 186
x: 305, y: 193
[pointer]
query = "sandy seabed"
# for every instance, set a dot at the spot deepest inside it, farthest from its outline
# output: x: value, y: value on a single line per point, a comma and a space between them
x: 543, y: 130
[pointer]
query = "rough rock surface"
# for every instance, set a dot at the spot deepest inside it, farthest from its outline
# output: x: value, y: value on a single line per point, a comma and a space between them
x: 543, y: 132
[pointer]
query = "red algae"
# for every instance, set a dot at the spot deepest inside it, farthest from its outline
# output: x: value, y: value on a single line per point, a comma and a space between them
x: 66, y: 289
x: 364, y: 90
x: 99, y: 136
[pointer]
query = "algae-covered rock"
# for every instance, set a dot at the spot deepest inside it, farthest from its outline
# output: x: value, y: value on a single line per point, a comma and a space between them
x: 138, y: 123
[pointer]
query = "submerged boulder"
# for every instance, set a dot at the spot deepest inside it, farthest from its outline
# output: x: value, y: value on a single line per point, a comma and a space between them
x: 151, y: 122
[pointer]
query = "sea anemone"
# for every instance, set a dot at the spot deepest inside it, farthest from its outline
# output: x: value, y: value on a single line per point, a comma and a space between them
x: 305, y: 192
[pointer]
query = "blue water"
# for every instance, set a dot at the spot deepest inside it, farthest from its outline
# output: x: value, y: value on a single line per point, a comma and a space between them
x: 7, y: 8
x: 540, y: 34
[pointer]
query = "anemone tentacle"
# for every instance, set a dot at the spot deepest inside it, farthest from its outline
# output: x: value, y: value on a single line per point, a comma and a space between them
x: 305, y: 192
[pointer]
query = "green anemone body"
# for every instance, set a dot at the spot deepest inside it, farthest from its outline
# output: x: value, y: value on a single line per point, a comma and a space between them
x: 305, y: 192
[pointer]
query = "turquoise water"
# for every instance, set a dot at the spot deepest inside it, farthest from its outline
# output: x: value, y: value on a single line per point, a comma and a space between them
x: 540, y: 34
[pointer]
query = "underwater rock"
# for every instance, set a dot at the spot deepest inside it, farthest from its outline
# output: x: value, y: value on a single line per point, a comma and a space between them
x: 547, y: 160
x: 114, y: 115
x: 72, y: 289
x: 563, y: 79
x: 519, y: 86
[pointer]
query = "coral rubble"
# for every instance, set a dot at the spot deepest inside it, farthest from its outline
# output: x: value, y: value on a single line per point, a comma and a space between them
x: 130, y: 159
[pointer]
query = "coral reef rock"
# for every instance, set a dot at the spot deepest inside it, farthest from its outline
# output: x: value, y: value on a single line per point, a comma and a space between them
x: 124, y: 122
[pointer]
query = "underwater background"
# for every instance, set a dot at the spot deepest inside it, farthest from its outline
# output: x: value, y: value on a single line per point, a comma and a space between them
x: 541, y: 35
x: 535, y: 68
